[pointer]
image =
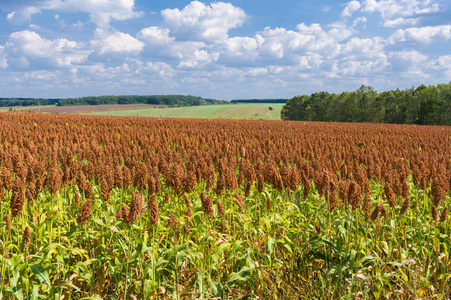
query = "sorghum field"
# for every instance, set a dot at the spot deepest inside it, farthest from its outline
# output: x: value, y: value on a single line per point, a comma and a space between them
x: 134, y: 208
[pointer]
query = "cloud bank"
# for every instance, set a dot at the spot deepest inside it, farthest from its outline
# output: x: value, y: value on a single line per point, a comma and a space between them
x: 192, y: 51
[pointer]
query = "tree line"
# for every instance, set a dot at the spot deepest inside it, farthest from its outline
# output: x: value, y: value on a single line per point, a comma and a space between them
x: 5, y: 102
x: 169, y: 100
x: 424, y: 105
x: 259, y: 101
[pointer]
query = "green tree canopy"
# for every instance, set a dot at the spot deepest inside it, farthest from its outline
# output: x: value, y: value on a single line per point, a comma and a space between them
x: 426, y: 105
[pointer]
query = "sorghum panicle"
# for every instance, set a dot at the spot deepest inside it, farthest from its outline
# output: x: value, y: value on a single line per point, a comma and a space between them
x: 84, y: 212
x: 444, y: 214
x: 136, y: 207
x: 26, y: 236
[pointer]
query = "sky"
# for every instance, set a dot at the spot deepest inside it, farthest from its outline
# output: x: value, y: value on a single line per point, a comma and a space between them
x: 223, y: 50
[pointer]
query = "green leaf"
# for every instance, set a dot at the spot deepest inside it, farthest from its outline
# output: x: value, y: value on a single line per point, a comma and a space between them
x: 242, y: 276
x: 35, y: 293
x: 271, y: 244
x: 368, y: 261
x: 99, y: 222
x: 40, y: 272
x: 147, y: 289
x: 95, y: 297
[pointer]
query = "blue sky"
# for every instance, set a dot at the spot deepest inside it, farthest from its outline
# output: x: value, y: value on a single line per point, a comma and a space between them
x: 222, y: 50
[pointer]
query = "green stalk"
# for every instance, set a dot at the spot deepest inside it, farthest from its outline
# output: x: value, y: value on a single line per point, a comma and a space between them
x: 128, y: 260
x: 176, y: 277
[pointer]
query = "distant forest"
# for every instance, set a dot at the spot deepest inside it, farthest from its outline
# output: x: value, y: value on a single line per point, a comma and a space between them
x: 424, y: 105
x: 259, y: 101
x: 4, y: 102
x: 169, y: 100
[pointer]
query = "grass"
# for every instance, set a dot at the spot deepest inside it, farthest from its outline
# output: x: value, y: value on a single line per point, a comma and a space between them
x: 24, y: 108
x: 234, y: 111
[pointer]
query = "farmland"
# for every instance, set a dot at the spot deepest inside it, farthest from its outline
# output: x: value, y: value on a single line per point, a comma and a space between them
x: 225, y: 111
x: 137, y: 208
x: 52, y: 109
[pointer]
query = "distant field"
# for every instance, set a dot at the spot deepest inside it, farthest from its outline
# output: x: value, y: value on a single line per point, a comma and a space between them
x: 230, y: 111
x: 82, y: 108
x: 26, y: 108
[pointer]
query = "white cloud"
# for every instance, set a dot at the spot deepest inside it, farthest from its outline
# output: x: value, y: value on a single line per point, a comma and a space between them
x: 243, y: 49
x: 359, y: 20
x: 423, y: 35
x: 34, y: 27
x: 187, y: 54
x: 399, y: 22
x: 407, y: 58
x: 21, y: 12
x: 442, y: 65
x: 362, y: 57
x: 41, y: 75
x: 156, y: 36
x: 366, y: 46
x: 445, y: 61
x: 159, y: 44
x: 160, y: 69
x: 400, y: 12
x: 28, y: 46
x: 101, y: 12
x: 241, y: 45
x: 199, y: 58
x: 361, y: 67
x: 304, y: 48
x: 193, y: 51
x: 121, y: 43
x: 350, y: 8
x: 3, y: 60
x: 201, y: 22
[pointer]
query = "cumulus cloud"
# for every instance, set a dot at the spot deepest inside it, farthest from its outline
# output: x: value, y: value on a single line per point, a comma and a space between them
x: 304, y: 48
x: 400, y: 13
x: 367, y: 47
x: 239, y: 46
x: 156, y: 36
x: 117, y: 43
x: 361, y: 56
x: 101, y: 12
x: 193, y: 51
x: 423, y: 35
x: 445, y: 61
x: 21, y: 11
x: 3, y: 61
x: 160, y: 45
x: 185, y: 54
x: 403, y: 59
x: 350, y: 8
x: 242, y: 50
x: 199, y: 57
x: 359, y: 20
x: 201, y: 22
x: 28, y: 47
x: 400, y: 22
